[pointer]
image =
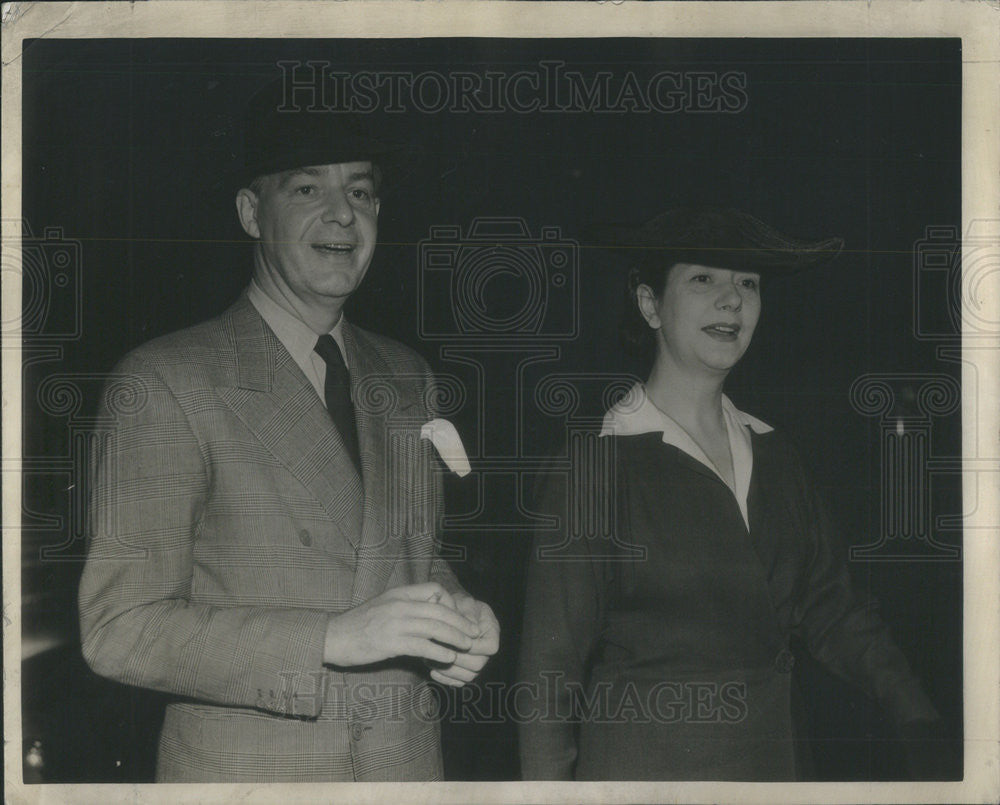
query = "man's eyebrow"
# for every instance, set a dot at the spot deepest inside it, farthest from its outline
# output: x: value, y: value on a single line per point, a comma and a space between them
x: 355, y: 176
x: 286, y: 176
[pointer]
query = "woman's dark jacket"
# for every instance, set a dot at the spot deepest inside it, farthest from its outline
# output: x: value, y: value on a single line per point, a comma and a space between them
x: 663, y: 653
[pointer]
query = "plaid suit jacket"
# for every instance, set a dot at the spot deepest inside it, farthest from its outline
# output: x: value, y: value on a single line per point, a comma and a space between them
x: 227, y: 523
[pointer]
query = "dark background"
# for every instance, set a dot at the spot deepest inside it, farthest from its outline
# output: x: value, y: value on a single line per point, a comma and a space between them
x: 126, y: 150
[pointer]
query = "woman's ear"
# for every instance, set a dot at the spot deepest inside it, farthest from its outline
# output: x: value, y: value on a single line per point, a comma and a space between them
x: 648, y: 305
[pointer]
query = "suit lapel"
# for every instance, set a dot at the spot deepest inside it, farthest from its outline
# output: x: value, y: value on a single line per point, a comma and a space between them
x: 388, y: 420
x: 281, y: 408
x: 695, y: 465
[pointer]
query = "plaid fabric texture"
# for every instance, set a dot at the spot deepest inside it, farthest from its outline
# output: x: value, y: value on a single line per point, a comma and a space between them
x: 227, y: 523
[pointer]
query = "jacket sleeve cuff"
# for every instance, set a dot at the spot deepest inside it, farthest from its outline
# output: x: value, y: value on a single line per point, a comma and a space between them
x: 298, y: 688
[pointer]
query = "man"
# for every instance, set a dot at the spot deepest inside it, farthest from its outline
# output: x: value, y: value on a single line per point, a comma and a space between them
x: 263, y: 515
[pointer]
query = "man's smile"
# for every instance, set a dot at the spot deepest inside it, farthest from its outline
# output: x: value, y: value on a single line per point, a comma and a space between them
x: 335, y: 248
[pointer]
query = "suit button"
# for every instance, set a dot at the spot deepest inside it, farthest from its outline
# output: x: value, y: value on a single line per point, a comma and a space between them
x: 305, y: 537
x: 784, y: 662
x: 357, y: 731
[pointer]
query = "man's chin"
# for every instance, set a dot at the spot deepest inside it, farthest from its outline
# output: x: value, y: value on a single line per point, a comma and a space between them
x: 336, y: 277
x: 337, y: 289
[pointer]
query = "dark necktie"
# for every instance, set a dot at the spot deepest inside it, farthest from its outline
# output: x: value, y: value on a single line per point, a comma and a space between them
x: 337, y: 390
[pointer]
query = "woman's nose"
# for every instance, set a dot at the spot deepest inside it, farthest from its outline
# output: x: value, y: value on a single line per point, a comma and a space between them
x: 730, y: 297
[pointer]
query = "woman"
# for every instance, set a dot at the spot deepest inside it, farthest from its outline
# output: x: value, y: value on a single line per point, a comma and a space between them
x: 664, y: 654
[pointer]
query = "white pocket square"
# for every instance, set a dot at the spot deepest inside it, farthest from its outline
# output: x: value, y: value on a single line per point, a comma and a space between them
x: 446, y: 440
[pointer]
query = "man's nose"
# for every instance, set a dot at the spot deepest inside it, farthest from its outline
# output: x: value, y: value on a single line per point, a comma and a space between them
x: 339, y: 209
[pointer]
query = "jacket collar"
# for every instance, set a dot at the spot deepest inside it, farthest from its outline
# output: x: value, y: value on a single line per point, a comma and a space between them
x: 280, y: 407
x: 291, y: 422
x: 635, y: 414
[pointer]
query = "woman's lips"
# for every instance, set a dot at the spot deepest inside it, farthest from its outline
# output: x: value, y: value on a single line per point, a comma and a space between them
x: 722, y: 331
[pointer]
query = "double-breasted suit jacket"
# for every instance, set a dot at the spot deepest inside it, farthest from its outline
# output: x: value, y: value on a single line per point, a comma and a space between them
x: 228, y: 523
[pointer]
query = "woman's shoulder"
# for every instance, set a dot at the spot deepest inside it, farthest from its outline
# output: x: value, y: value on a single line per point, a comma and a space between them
x: 775, y: 441
x: 777, y: 457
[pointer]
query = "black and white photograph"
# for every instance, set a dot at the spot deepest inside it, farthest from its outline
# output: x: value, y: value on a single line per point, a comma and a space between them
x: 557, y: 402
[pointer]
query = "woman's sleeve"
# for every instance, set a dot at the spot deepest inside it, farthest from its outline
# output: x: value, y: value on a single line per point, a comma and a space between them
x: 564, y: 605
x: 843, y: 630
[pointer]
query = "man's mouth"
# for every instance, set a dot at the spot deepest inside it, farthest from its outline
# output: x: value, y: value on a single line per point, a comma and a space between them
x: 722, y: 331
x: 334, y: 248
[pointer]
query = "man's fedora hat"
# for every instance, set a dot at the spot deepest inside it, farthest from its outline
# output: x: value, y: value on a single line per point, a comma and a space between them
x: 279, y: 136
x: 717, y: 237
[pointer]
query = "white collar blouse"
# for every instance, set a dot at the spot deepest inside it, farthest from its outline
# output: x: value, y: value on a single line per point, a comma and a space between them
x: 636, y: 414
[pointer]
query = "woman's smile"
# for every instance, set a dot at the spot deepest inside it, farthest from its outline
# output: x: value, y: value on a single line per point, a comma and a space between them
x: 722, y: 331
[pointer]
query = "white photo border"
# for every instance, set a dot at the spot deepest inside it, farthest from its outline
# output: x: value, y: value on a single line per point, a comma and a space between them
x: 978, y: 26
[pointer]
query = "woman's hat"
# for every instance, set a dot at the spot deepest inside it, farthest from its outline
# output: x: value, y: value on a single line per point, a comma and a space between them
x: 280, y: 136
x: 718, y: 237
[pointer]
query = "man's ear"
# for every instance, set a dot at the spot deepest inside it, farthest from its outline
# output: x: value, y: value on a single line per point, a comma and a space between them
x: 378, y: 206
x: 246, y: 206
x: 646, y: 300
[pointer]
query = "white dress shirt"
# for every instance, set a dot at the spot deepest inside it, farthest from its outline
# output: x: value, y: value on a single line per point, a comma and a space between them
x: 297, y: 337
x: 635, y: 414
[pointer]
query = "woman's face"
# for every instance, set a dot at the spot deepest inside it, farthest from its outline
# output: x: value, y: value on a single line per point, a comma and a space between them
x: 705, y: 316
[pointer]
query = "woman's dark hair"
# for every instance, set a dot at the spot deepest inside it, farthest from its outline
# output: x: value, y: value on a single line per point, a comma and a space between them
x: 638, y: 338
